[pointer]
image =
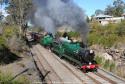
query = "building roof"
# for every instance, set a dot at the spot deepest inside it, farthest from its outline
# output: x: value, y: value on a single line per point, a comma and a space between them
x: 115, y: 18
x: 101, y: 15
x: 123, y: 14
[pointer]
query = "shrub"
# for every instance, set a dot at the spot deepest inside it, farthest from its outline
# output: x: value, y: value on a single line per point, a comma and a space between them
x: 2, y: 40
x: 9, y: 31
x: 73, y: 34
x: 112, y: 67
x: 59, y: 34
x: 99, y: 60
x: 106, y: 64
x: 120, y: 29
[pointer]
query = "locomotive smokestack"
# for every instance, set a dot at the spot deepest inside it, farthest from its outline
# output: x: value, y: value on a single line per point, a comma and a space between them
x: 51, y: 14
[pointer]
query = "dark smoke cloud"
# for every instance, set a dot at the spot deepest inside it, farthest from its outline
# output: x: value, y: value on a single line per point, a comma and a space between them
x: 51, y: 14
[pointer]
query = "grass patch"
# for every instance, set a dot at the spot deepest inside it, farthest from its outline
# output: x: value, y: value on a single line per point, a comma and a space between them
x: 106, y: 64
x: 6, y: 78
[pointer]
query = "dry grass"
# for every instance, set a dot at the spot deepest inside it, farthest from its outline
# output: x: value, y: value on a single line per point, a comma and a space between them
x: 120, y: 71
x: 111, y: 66
x: 6, y: 78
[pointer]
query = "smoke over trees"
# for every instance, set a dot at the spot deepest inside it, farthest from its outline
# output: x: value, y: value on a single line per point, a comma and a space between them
x: 51, y: 14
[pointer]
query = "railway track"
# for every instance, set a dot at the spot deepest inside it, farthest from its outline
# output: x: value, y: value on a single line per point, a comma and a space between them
x: 62, y: 72
x: 108, y: 75
x: 58, y: 73
x: 45, y: 68
x: 98, y: 78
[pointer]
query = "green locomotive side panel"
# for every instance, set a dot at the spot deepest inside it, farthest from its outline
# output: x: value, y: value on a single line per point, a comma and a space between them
x: 46, y: 40
x: 72, y: 59
x: 58, y: 49
x: 71, y: 48
x: 68, y: 50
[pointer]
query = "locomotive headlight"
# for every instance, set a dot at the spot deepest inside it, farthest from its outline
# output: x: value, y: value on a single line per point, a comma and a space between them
x: 90, y: 63
x: 91, y: 51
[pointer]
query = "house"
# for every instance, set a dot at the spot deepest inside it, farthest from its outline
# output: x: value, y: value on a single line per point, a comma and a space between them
x: 106, y: 19
x: 123, y: 15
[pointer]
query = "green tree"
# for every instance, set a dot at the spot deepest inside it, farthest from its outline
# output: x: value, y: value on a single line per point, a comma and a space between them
x: 117, y: 9
x: 109, y: 10
x: 19, y: 12
x: 98, y: 11
x: 118, y: 3
x: 4, y: 1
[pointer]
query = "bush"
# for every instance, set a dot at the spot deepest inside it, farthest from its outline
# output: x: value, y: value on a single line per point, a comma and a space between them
x: 2, y: 41
x: 120, y: 29
x: 73, y: 34
x: 99, y: 59
x: 106, y: 64
x: 112, y: 67
x: 9, y: 31
x: 59, y: 34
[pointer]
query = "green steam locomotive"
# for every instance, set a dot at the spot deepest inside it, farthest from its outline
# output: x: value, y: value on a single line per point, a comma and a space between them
x: 71, y: 51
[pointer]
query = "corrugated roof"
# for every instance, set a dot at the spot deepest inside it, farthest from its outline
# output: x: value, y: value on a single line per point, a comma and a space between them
x: 123, y: 14
x: 101, y: 15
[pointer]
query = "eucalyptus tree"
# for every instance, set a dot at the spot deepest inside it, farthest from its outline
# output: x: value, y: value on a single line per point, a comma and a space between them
x: 117, y: 9
x: 19, y: 12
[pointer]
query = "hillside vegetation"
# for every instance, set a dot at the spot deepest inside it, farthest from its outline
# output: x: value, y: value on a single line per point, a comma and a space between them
x: 107, y: 36
x: 110, y: 36
x: 11, y: 46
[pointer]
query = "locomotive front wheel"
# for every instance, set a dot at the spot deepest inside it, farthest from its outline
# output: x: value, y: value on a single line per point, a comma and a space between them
x: 84, y: 70
x: 60, y: 56
x: 94, y: 62
x: 95, y: 70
